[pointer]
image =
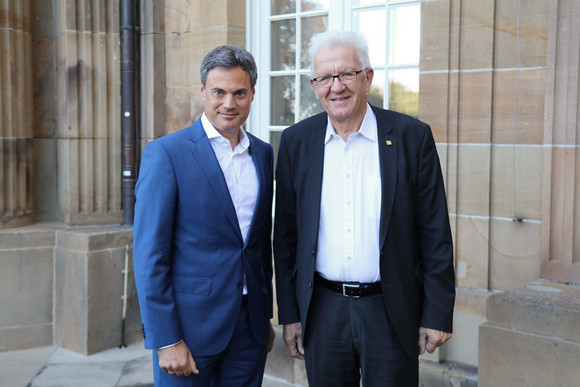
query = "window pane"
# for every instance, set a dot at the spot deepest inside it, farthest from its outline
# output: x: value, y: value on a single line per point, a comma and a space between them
x: 282, y: 92
x: 309, y: 105
x: 367, y: 2
x: 310, y: 27
x: 280, y: 7
x: 283, y: 45
x: 376, y: 96
x: 404, y: 91
x: 371, y: 24
x: 310, y: 5
x: 405, y: 33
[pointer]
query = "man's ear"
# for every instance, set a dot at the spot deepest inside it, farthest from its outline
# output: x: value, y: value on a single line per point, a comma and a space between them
x: 369, y: 74
x: 313, y: 85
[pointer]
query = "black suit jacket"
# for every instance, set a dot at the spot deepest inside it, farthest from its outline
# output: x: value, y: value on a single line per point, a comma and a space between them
x: 416, y: 250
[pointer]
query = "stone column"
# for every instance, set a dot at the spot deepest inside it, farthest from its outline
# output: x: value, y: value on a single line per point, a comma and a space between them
x: 16, y: 160
x: 88, y: 118
x: 561, y: 172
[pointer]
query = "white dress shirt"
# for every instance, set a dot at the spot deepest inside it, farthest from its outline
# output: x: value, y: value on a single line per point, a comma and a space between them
x: 348, y: 237
x: 239, y: 171
x: 240, y: 174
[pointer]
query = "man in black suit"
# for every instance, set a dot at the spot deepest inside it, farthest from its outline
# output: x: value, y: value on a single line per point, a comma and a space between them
x: 362, y: 243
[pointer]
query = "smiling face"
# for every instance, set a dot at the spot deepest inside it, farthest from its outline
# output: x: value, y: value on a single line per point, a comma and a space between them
x: 227, y: 97
x: 345, y: 104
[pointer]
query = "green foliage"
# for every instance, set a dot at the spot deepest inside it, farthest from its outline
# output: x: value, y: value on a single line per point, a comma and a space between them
x: 400, y: 99
x: 403, y: 100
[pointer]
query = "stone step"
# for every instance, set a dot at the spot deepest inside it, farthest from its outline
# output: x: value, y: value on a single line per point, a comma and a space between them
x: 543, y: 307
x: 510, y: 357
x: 531, y: 337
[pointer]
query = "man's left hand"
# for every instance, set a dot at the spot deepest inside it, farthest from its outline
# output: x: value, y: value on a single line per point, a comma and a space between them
x: 430, y: 339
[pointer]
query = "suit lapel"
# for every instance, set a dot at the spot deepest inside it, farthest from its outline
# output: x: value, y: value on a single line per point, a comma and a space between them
x: 315, y: 165
x: 388, y: 147
x: 259, y: 159
x: 205, y: 157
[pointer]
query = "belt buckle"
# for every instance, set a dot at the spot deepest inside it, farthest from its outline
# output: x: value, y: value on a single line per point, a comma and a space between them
x: 345, y: 286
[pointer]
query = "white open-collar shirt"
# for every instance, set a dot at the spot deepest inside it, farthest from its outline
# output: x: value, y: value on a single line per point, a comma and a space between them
x: 348, y: 237
x: 239, y: 172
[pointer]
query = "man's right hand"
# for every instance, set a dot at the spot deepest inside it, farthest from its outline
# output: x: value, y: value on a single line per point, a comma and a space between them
x: 177, y: 360
x: 293, y: 339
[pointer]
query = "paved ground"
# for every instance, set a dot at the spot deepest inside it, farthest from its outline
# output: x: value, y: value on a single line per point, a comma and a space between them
x: 58, y: 367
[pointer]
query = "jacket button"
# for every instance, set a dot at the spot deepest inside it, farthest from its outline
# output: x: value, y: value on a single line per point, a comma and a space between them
x: 310, y: 284
x: 240, y: 285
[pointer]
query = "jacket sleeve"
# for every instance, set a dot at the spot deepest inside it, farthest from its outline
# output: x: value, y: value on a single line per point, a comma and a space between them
x: 156, y: 197
x: 435, y: 241
x: 285, y: 238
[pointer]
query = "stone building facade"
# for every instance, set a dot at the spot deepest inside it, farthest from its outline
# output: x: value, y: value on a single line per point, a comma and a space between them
x: 499, y: 85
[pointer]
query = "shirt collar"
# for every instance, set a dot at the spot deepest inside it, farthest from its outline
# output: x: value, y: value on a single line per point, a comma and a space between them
x: 368, y: 127
x: 212, y: 133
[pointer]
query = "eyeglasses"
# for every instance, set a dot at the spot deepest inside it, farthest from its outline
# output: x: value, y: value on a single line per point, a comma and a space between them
x: 344, y: 78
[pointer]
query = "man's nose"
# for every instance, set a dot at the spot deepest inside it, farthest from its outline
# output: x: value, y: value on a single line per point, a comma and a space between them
x: 229, y: 101
x: 336, y: 84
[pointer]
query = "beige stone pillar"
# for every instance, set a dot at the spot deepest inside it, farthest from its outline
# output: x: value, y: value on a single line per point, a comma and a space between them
x: 90, y: 265
x: 88, y: 117
x: 561, y: 172
x: 489, y: 142
x: 16, y: 208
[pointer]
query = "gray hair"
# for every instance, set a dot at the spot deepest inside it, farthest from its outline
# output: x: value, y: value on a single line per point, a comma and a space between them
x: 340, y: 39
x: 229, y: 57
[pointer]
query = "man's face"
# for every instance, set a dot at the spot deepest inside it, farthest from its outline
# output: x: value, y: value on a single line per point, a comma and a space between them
x: 227, y: 97
x: 340, y: 101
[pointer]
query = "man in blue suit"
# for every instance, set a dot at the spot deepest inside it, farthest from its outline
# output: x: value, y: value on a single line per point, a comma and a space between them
x: 202, y: 238
x: 362, y: 244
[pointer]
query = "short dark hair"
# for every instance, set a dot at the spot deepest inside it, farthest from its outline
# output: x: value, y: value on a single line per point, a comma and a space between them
x: 228, y: 57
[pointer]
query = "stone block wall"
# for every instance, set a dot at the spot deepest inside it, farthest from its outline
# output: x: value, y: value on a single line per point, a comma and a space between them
x: 66, y: 286
x: 489, y: 132
x: 26, y: 286
x: 90, y: 314
x: 60, y: 167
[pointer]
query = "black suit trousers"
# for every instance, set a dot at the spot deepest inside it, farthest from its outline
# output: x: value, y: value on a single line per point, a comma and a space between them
x: 350, y: 338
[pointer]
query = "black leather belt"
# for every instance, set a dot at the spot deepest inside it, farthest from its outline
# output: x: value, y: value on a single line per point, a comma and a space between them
x: 351, y: 289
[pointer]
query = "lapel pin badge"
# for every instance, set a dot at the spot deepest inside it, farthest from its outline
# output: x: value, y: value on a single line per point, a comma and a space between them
x: 389, y: 142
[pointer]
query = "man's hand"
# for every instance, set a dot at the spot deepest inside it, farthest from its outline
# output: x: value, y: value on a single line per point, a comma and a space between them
x: 177, y: 360
x: 430, y: 339
x: 293, y: 339
x: 271, y: 339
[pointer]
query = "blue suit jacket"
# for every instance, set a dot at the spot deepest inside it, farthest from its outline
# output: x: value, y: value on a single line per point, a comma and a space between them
x: 416, y: 250
x: 189, y: 255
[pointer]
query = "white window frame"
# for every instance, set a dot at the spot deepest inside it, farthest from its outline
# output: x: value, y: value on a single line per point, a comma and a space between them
x: 258, y: 21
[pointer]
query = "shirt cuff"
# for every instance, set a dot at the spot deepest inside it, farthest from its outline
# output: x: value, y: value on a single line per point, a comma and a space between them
x: 170, y: 345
